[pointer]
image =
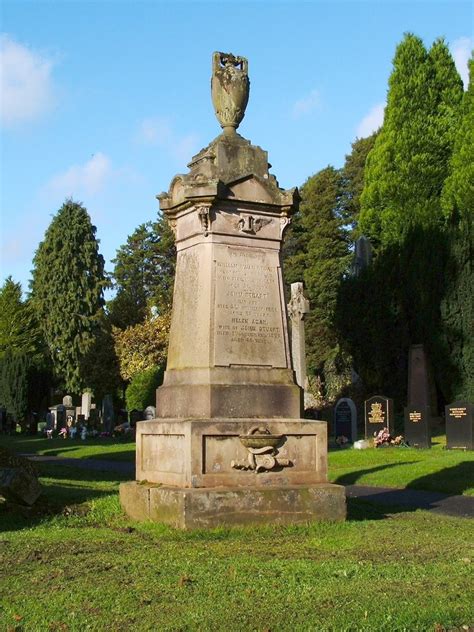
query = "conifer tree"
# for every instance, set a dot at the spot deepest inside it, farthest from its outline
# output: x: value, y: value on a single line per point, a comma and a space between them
x: 19, y: 330
x: 67, y: 291
x: 407, y: 167
x: 326, y: 256
x: 143, y: 274
x: 457, y: 308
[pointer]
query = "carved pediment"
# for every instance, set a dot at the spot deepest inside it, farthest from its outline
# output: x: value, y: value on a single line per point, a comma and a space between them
x: 253, y: 188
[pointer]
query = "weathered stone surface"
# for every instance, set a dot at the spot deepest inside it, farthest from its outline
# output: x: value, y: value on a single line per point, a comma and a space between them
x: 18, y: 480
x: 212, y: 507
x: 212, y: 452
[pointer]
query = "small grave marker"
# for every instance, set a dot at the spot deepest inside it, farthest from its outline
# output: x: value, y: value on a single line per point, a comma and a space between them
x: 345, y: 419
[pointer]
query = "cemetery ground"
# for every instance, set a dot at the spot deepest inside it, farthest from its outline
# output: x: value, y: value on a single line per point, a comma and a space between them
x: 75, y: 562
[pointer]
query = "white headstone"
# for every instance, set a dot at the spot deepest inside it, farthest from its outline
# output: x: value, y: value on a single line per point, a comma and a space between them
x: 86, y: 404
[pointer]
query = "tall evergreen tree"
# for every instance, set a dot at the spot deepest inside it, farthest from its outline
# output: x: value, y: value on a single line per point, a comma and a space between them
x: 19, y: 331
x: 353, y: 178
x: 67, y: 291
x: 323, y: 258
x: 457, y: 307
x: 407, y: 167
x: 458, y: 193
x: 143, y: 274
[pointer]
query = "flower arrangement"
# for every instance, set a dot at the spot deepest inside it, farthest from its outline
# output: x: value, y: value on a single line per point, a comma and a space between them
x: 383, y: 438
x: 63, y: 433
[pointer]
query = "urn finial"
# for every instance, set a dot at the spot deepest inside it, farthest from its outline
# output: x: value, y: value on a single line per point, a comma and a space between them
x: 230, y: 89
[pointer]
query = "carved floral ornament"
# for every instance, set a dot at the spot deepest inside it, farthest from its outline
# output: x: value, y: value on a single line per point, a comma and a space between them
x: 262, y: 451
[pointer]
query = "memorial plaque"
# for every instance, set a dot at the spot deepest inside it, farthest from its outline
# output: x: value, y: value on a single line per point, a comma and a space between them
x: 345, y: 419
x: 417, y: 426
x: 248, y: 314
x: 378, y: 414
x: 459, y: 430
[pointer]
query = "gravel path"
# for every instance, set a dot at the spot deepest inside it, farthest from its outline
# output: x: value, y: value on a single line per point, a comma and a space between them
x: 450, y: 505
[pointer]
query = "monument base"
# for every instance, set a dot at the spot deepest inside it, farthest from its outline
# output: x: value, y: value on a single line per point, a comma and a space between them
x: 203, y: 508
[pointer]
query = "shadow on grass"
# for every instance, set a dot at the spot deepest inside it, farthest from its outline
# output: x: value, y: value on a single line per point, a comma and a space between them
x: 451, y: 480
x: 66, y: 492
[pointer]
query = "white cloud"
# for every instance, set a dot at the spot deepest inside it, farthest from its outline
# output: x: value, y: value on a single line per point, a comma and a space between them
x: 371, y: 121
x: 307, y: 104
x: 25, y: 82
x: 159, y: 132
x: 87, y: 179
x: 461, y: 51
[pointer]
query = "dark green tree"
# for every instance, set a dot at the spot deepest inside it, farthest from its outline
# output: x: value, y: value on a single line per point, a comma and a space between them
x: 457, y: 307
x: 19, y: 331
x: 15, y: 368
x: 319, y: 256
x: 143, y: 274
x: 67, y: 291
x: 353, y: 178
x: 407, y: 167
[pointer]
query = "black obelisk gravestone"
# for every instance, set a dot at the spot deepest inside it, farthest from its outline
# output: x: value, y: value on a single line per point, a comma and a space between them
x: 418, y: 411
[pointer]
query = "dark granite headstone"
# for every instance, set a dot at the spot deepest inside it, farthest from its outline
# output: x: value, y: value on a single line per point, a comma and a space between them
x: 459, y: 426
x: 378, y: 414
x: 420, y: 398
x: 60, y: 416
x: 417, y: 426
x: 345, y: 419
x: 108, y: 415
x: 135, y: 416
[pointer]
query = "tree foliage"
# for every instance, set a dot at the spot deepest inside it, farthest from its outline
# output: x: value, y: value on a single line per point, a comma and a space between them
x: 15, y: 368
x: 408, y: 165
x: 143, y: 274
x: 67, y: 291
x: 141, y: 392
x: 19, y: 331
x: 143, y: 346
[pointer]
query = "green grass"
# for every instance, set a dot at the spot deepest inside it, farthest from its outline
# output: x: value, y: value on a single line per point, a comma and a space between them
x: 437, y: 469
x: 107, y: 448
x: 77, y: 563
x: 448, y: 471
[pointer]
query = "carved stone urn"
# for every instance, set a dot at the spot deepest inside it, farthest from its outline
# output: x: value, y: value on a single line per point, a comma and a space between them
x: 230, y: 89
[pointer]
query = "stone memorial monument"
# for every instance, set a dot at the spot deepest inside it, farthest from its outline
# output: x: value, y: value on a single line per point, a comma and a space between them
x: 459, y: 426
x: 418, y: 411
x: 229, y: 445
x: 86, y: 401
x: 297, y: 308
x: 345, y: 419
x: 378, y: 414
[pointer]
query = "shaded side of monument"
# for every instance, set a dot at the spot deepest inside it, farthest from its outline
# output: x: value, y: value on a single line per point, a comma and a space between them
x: 229, y: 446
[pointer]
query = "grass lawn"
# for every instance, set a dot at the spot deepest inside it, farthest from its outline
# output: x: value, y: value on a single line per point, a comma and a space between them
x: 449, y: 471
x: 107, y: 448
x: 78, y: 564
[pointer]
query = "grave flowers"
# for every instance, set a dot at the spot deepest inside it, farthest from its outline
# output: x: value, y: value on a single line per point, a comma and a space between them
x: 383, y: 438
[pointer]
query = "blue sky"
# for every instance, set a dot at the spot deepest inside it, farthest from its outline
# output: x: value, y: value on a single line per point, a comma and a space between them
x: 106, y: 101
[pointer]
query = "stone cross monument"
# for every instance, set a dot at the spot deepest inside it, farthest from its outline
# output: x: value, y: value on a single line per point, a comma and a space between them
x: 297, y: 308
x: 228, y: 445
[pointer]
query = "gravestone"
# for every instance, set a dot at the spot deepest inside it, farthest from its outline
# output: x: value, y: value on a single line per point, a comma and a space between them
x: 345, y: 419
x: 459, y: 426
x: 108, y: 416
x: 136, y: 416
x: 60, y: 416
x: 362, y: 255
x: 378, y: 414
x: 67, y: 401
x: 418, y: 410
x: 86, y: 401
x: 297, y: 308
x: 229, y: 445
x: 150, y: 413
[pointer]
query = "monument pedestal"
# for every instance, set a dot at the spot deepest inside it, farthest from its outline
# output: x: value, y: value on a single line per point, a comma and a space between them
x: 212, y: 507
x: 229, y: 446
